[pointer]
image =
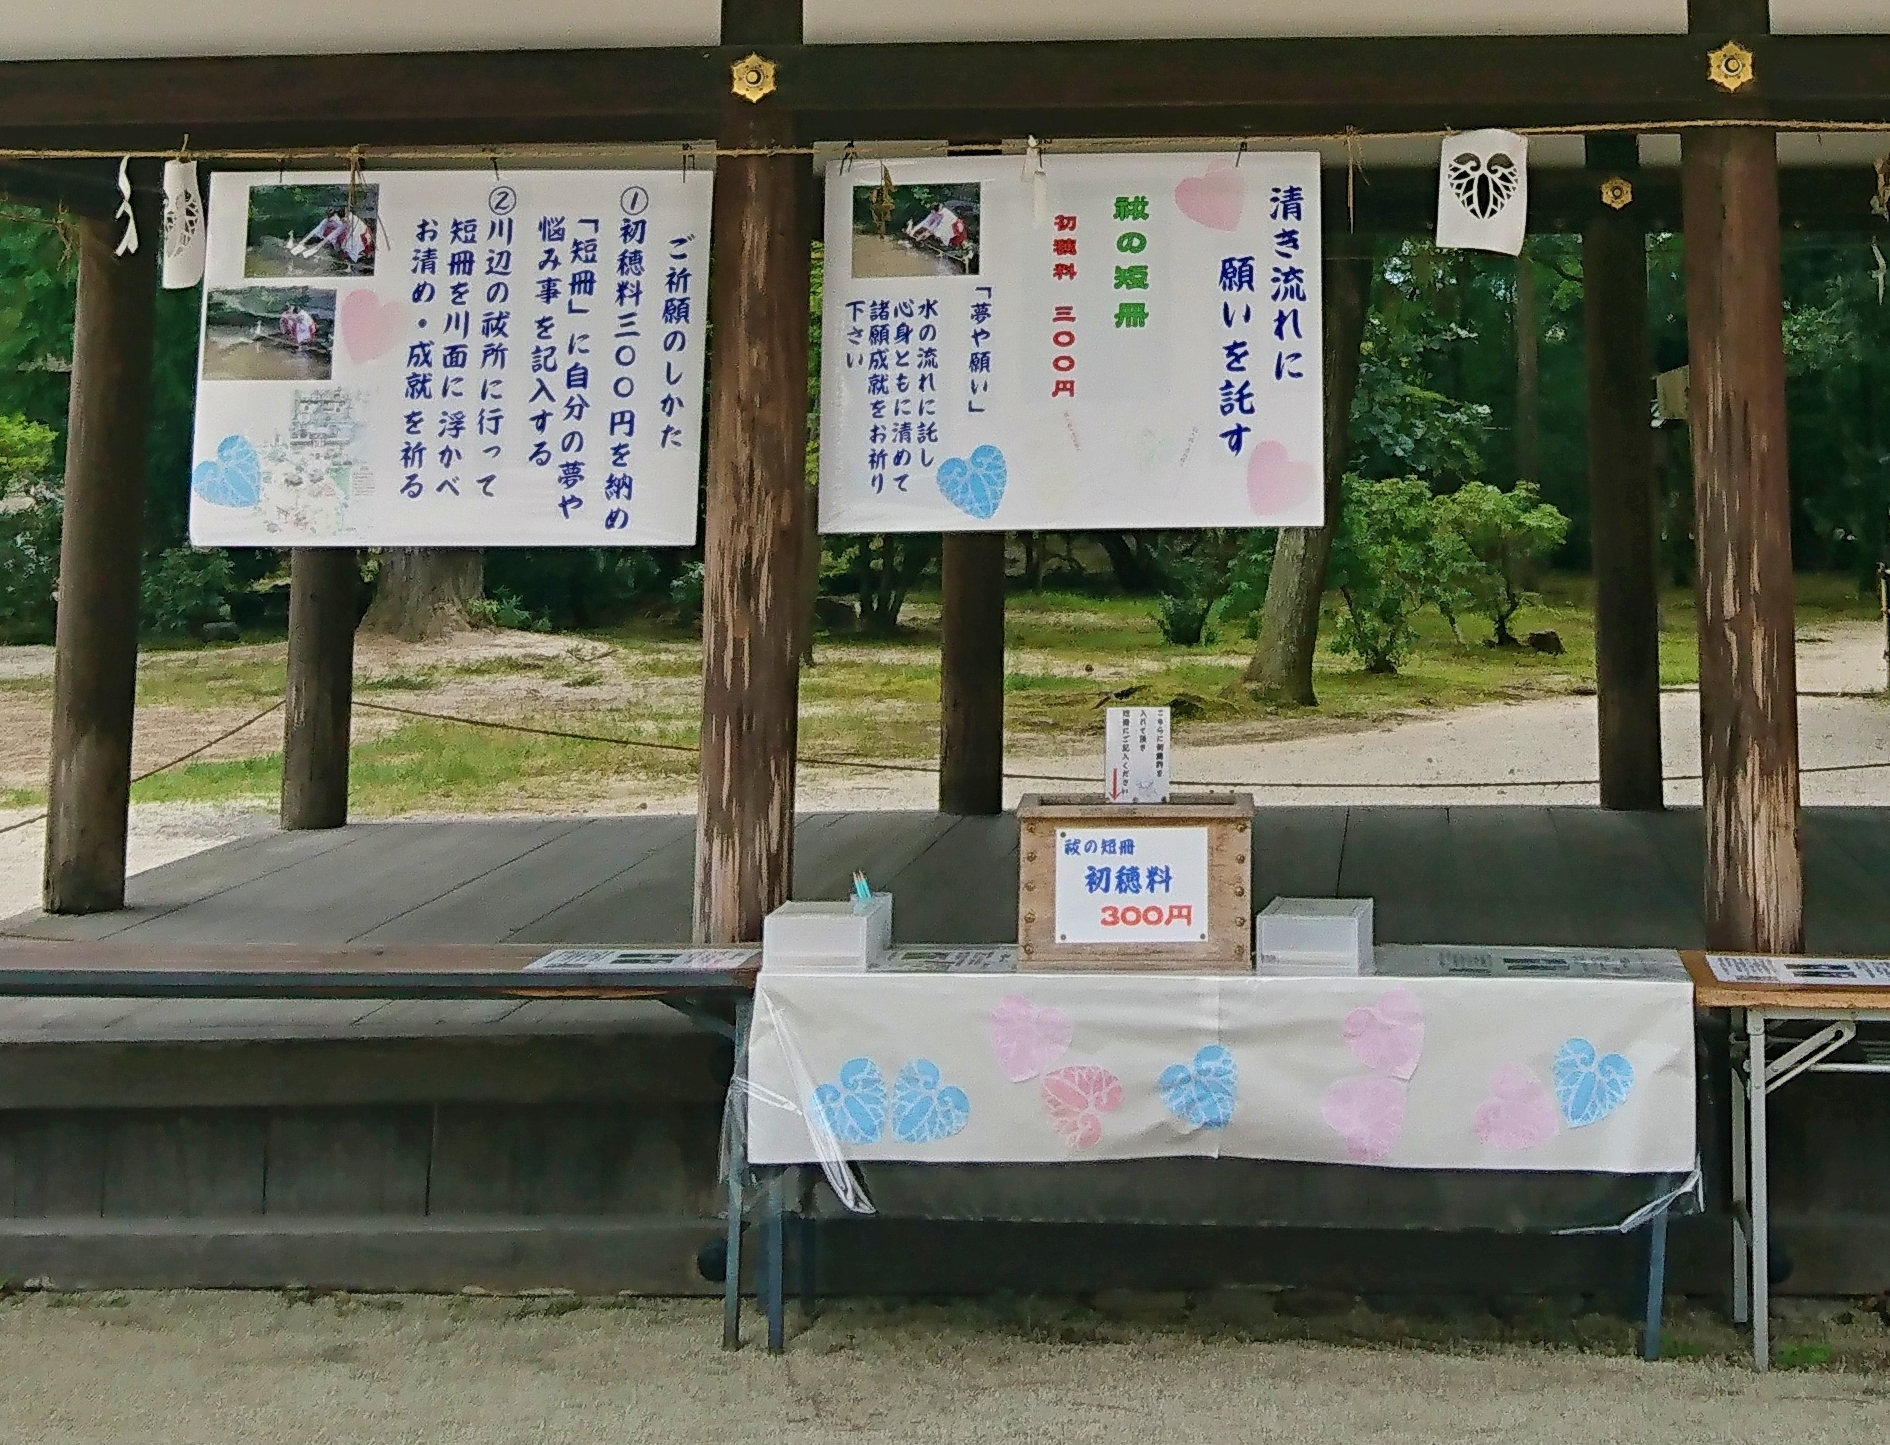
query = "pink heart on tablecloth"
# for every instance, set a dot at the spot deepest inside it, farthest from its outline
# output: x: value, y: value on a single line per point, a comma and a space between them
x: 1276, y: 484
x: 1214, y: 200
x: 1520, y: 1112
x: 371, y: 327
x: 1388, y: 1036
x: 1076, y: 1098
x: 1027, y: 1039
x: 1367, y: 1112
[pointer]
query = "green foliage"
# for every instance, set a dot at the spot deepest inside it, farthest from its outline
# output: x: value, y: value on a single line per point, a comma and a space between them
x: 1507, y: 539
x: 1193, y: 570
x: 499, y: 608
x: 1387, y: 563
x: 183, y: 589
x: 576, y: 587
x: 26, y: 453
x: 1247, y: 578
x: 685, y: 594
x: 29, y: 567
x: 881, y: 571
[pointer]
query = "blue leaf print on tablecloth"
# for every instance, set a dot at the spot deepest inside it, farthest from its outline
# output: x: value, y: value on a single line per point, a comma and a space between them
x: 977, y: 485
x: 1589, y: 1085
x: 855, y: 1107
x: 924, y: 1108
x: 234, y: 479
x: 1202, y: 1093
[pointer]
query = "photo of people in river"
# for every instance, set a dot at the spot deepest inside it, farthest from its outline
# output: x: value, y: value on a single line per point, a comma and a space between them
x: 916, y: 230
x: 329, y: 230
x: 269, y: 333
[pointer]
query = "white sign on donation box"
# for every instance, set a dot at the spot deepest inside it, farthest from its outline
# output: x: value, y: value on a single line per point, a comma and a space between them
x: 1132, y: 885
x: 1113, y: 341
x: 1135, y: 756
x: 448, y: 358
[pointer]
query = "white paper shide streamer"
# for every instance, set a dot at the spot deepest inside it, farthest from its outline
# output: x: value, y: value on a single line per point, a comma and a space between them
x: 185, y: 237
x: 1483, y: 192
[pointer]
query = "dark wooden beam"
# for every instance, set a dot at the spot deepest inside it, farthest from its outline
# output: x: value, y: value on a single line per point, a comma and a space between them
x: 969, y: 91
x: 318, y: 706
x: 1622, y: 494
x: 754, y: 526
x: 971, y: 675
x: 95, y: 670
x: 1754, y: 873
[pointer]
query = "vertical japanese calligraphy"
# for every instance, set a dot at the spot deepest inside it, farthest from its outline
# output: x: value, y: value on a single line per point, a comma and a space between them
x: 510, y: 362
x: 1137, y: 347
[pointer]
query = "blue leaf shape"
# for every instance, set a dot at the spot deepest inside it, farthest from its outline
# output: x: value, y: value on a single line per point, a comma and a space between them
x: 1590, y: 1085
x: 975, y: 486
x: 234, y: 479
x: 925, y: 1109
x: 855, y: 1107
x: 1202, y: 1093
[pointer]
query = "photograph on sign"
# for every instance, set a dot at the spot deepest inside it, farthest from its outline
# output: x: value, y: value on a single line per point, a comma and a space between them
x: 1132, y: 885
x: 1129, y: 341
x: 438, y: 359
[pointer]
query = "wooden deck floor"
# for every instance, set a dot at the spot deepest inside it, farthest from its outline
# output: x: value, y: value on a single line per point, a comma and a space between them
x: 1537, y: 875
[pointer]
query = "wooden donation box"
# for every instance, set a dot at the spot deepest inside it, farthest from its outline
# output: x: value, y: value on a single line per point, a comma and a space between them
x: 1137, y: 887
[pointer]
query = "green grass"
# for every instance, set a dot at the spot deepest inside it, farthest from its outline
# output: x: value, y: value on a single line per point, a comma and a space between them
x: 1069, y: 655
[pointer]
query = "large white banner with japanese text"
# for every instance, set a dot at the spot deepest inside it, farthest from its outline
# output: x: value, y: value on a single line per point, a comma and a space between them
x: 452, y: 358
x: 1117, y: 341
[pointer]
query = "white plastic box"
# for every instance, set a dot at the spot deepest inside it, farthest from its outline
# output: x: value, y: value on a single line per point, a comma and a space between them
x: 1314, y: 936
x: 822, y: 937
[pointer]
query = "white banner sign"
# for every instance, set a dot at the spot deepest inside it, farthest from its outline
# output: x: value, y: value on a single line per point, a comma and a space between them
x: 1132, y: 885
x: 450, y: 358
x: 1119, y: 341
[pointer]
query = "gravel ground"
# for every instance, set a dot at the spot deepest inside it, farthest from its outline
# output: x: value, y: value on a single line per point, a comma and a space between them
x: 199, y: 1369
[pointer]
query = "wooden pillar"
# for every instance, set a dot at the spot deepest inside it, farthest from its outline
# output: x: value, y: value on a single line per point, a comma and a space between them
x: 319, y: 704
x: 1742, y: 498
x: 1621, y: 490
x: 753, y: 533
x: 96, y: 668
x: 971, y: 675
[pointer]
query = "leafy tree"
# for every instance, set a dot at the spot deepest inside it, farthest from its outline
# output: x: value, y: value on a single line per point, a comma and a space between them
x: 1386, y: 564
x: 1509, y: 536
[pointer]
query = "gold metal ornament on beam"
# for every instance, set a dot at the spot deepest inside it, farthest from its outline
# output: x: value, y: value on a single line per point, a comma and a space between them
x: 753, y: 77
x: 1731, y: 66
x: 1617, y: 193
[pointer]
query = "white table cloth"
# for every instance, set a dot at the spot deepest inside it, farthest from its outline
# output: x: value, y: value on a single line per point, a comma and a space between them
x: 1498, y: 1059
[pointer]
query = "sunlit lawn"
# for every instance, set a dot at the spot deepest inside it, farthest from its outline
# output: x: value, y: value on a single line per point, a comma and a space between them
x: 1068, y: 656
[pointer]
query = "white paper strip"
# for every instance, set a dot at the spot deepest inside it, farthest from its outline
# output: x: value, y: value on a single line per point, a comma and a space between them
x: 186, y: 240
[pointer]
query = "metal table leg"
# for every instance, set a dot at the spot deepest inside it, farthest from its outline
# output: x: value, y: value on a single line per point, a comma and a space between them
x: 1656, y: 1283
x: 1741, y: 1198
x: 808, y: 1257
x: 735, y: 1125
x: 1759, y: 1266
x: 773, y: 1261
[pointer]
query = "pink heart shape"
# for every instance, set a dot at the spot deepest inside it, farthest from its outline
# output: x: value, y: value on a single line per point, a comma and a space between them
x: 1275, y: 482
x: 1214, y: 200
x: 1076, y: 1098
x: 1389, y: 1036
x: 370, y: 327
x: 1367, y: 1112
x: 1026, y: 1039
x: 1520, y: 1112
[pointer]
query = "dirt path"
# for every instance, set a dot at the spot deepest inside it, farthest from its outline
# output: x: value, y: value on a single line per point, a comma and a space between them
x: 205, y: 1369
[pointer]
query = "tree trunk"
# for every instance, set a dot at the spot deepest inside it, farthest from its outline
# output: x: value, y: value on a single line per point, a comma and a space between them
x: 95, y: 671
x: 1528, y: 372
x: 1033, y: 561
x: 1281, y: 670
x: 423, y: 591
